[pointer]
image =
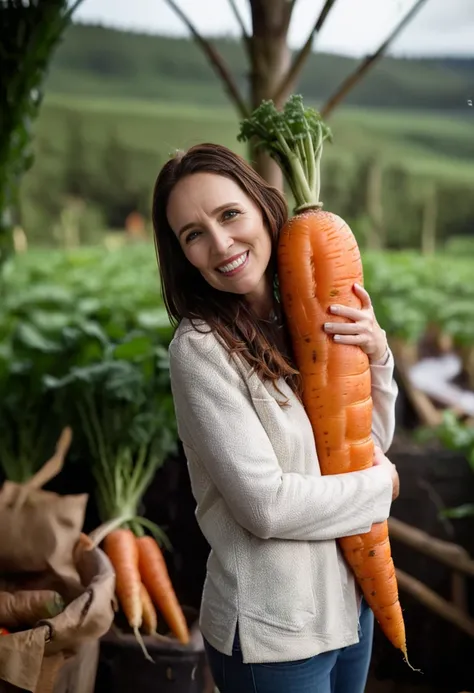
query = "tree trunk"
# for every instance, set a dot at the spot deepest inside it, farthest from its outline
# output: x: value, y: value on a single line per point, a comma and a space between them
x: 270, y: 60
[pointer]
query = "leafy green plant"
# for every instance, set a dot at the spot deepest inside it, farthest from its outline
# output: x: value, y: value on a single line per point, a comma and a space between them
x: 78, y: 320
x: 123, y: 408
x: 30, y: 31
x: 458, y: 436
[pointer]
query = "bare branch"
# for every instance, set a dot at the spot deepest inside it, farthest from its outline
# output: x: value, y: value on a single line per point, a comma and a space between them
x: 368, y: 62
x: 240, y: 22
x: 73, y: 8
x: 215, y: 60
x: 297, y: 65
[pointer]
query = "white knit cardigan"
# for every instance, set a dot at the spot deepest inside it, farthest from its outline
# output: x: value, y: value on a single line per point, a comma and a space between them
x: 269, y: 516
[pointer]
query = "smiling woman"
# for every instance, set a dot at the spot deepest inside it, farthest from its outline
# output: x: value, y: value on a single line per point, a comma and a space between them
x: 280, y: 607
x: 212, y: 211
x: 228, y: 243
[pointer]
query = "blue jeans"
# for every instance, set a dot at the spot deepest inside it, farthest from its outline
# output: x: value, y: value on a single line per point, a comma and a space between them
x: 338, y: 671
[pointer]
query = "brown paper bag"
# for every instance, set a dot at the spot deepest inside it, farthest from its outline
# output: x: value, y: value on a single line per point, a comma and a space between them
x: 29, y: 659
x: 41, y: 547
x: 39, y: 529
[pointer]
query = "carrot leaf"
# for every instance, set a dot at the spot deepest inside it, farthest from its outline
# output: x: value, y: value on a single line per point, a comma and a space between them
x: 294, y: 138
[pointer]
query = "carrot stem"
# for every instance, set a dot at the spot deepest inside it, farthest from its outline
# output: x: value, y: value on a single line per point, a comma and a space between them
x: 294, y: 138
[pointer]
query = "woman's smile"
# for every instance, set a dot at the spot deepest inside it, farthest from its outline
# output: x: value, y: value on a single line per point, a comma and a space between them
x: 235, y: 265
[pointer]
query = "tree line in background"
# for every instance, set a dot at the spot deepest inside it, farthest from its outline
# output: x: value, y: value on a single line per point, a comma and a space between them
x: 387, y: 205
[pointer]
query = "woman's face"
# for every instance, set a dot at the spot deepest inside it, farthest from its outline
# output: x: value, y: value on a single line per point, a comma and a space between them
x: 221, y: 232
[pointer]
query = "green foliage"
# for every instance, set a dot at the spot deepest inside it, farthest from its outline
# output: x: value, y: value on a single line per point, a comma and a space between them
x: 29, y: 34
x: 294, y: 138
x: 458, y: 436
x: 84, y: 343
x: 410, y: 292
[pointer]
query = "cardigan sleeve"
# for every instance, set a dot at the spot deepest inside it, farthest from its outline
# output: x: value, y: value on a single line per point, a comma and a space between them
x: 384, y: 395
x: 219, y: 422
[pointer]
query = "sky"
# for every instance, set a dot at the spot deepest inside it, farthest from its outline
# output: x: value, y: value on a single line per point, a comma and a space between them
x: 354, y: 27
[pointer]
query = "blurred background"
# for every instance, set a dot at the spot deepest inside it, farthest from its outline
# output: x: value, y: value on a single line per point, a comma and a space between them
x: 96, y: 95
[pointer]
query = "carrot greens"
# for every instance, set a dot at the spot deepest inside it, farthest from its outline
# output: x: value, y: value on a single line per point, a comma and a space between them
x: 293, y: 137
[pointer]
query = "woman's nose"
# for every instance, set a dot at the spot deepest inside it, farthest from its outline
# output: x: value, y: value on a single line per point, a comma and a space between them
x: 221, y: 242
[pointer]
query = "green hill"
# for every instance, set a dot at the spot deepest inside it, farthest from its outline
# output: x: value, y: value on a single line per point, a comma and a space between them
x: 117, y: 104
x: 97, y: 61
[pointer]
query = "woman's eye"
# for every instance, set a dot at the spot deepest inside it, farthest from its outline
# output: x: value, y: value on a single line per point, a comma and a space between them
x: 230, y: 214
x: 191, y: 236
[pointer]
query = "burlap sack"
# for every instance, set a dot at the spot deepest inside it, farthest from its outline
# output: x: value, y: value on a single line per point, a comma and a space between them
x: 31, y: 659
x: 41, y: 547
x: 39, y: 529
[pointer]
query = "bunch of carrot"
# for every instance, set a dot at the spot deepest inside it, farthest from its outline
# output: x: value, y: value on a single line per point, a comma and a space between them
x: 143, y: 585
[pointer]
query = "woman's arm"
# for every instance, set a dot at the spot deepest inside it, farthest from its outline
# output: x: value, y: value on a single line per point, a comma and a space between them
x: 217, y: 419
x: 384, y: 396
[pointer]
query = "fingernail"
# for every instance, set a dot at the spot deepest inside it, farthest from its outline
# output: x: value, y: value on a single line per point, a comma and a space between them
x: 334, y: 309
x: 327, y: 325
x: 337, y: 338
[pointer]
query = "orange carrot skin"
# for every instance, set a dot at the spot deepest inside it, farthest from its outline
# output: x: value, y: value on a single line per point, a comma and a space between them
x: 150, y: 620
x: 121, y: 548
x: 155, y: 577
x: 318, y: 263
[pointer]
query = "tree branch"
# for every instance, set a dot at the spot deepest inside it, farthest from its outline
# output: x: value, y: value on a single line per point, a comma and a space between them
x: 215, y: 60
x: 240, y: 21
x: 368, y: 62
x: 74, y: 7
x: 302, y: 56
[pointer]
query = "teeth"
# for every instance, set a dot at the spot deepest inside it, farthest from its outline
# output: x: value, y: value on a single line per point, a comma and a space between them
x: 233, y: 265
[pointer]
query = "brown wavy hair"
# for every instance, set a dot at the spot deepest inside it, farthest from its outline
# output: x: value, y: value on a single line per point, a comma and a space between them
x: 188, y: 295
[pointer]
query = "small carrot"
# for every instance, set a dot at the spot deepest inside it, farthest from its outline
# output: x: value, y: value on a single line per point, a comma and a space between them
x: 150, y: 619
x: 155, y: 577
x: 121, y: 548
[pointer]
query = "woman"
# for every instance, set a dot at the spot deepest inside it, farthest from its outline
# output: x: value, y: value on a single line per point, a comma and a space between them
x: 280, y: 610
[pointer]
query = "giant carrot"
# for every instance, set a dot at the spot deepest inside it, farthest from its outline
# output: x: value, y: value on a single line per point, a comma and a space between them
x: 155, y: 577
x: 121, y: 548
x: 318, y: 263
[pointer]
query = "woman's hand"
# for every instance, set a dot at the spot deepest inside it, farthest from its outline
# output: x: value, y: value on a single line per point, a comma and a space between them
x: 364, y: 329
x: 381, y: 460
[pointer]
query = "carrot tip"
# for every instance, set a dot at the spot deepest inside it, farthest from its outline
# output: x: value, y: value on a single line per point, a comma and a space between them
x: 405, y: 657
x: 142, y: 645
